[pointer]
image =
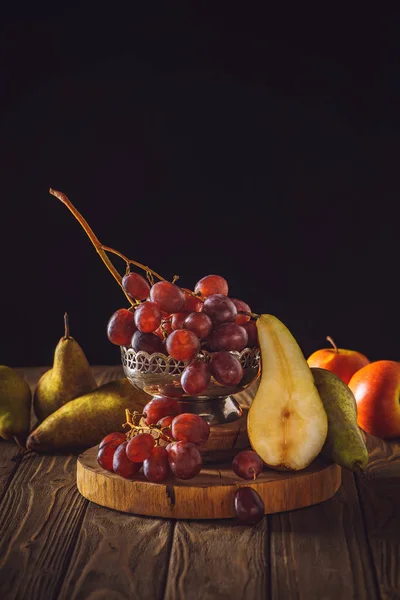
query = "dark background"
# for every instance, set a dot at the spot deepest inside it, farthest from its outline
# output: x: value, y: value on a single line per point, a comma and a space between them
x: 200, y: 139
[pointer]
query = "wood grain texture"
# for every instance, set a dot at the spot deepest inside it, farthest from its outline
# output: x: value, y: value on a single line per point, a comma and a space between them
x: 10, y: 457
x: 210, y: 495
x: 118, y: 556
x: 40, y: 513
x: 218, y: 560
x: 321, y: 551
x: 379, y: 491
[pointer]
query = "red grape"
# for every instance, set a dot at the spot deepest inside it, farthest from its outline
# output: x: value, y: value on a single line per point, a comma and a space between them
x: 199, y: 323
x: 226, y: 368
x: 147, y: 342
x: 168, y: 296
x: 116, y: 436
x: 178, y: 319
x: 212, y: 284
x: 192, y: 304
x: 195, y: 377
x: 247, y: 464
x: 156, y: 467
x: 228, y: 336
x: 252, y: 335
x: 240, y: 305
x: 121, y: 327
x: 122, y: 465
x: 188, y: 427
x: 147, y: 317
x: 160, y: 407
x: 184, y: 459
x: 105, y: 454
x: 139, y: 447
x: 220, y: 309
x: 182, y: 344
x: 136, y: 286
x: 249, y: 507
x: 165, y: 424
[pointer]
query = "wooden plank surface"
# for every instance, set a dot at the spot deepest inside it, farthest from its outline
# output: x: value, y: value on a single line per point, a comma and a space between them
x: 10, y: 458
x: 379, y: 491
x: 40, y: 514
x: 54, y: 545
x: 218, y: 559
x: 118, y: 556
x: 321, y: 552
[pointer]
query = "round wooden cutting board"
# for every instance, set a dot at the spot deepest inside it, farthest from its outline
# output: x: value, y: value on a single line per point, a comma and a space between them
x: 210, y: 495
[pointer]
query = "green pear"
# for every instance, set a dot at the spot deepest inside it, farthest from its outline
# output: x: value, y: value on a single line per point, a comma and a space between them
x: 84, y: 422
x: 69, y: 377
x: 15, y: 406
x: 287, y: 423
x: 344, y: 444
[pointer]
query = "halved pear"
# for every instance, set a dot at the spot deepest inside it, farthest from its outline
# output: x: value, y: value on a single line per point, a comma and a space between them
x: 287, y: 422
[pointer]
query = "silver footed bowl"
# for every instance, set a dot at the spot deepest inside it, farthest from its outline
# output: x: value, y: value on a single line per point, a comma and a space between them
x: 159, y: 374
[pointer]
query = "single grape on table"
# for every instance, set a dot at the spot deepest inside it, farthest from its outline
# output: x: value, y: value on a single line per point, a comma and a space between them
x: 247, y: 464
x: 249, y: 507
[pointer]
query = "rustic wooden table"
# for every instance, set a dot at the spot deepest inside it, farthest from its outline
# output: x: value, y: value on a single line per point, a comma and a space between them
x: 56, y: 544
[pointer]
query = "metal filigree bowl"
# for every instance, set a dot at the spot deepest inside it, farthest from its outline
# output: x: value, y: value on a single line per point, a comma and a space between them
x: 159, y: 374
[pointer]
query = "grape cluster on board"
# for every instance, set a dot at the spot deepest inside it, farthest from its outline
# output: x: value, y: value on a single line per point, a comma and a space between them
x: 164, y: 443
x: 180, y: 322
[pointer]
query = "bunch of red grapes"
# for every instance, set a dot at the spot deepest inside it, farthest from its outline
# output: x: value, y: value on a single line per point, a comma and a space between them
x: 180, y: 322
x: 165, y: 443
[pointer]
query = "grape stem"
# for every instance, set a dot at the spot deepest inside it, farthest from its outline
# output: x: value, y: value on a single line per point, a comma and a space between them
x: 101, y: 249
x: 248, y: 314
x: 131, y: 421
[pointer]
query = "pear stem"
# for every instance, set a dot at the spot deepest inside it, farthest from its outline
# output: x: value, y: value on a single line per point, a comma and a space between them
x: 330, y: 340
x: 100, y: 248
x: 66, y: 326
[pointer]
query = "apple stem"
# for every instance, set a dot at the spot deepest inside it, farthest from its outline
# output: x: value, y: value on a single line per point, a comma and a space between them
x: 330, y: 340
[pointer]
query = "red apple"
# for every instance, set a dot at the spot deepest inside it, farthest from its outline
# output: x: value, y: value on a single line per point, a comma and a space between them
x: 344, y: 363
x: 376, y: 388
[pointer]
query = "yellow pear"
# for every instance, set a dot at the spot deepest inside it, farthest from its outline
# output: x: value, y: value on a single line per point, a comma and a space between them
x: 15, y: 406
x: 287, y: 422
x: 69, y: 377
x: 84, y: 422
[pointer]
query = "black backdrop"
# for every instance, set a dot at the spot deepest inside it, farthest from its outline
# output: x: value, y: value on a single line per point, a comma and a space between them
x: 252, y: 145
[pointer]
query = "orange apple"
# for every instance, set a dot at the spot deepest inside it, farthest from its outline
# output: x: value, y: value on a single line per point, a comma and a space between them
x: 344, y: 363
x: 376, y: 388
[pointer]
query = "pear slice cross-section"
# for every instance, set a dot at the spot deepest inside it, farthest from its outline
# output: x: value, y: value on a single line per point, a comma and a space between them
x: 287, y: 422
